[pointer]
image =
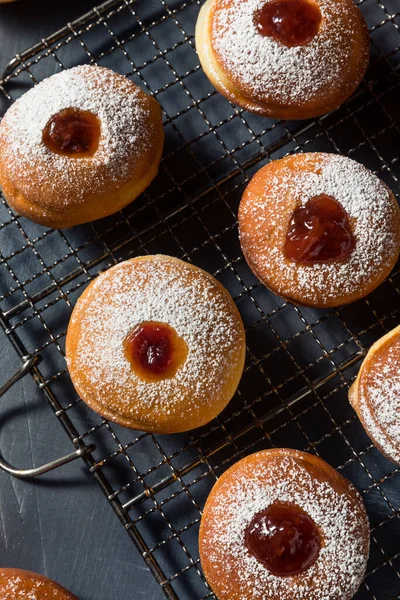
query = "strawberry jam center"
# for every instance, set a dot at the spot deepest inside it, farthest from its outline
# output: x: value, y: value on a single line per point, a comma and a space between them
x: 319, y: 232
x: 291, y: 22
x: 155, y: 350
x: 72, y: 132
x: 284, y: 539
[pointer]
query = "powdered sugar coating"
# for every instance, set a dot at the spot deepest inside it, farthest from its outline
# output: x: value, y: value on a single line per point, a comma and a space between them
x: 22, y: 585
x: 267, y: 70
x: 123, y: 112
x: 250, y: 488
x: 267, y: 208
x: 14, y: 589
x: 379, y: 395
x: 163, y: 289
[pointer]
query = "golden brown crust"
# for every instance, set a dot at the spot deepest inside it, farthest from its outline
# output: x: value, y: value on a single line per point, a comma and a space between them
x: 167, y: 290
x: 375, y: 394
x: 59, y: 191
x: 266, y: 209
x: 16, y: 584
x: 293, y: 477
x: 339, y: 56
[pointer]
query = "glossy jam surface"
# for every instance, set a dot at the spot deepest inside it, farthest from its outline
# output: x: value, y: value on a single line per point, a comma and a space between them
x: 284, y: 539
x: 291, y: 22
x: 155, y: 350
x: 319, y: 232
x: 73, y: 132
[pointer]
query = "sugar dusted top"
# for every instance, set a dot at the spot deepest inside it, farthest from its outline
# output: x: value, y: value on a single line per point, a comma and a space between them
x: 126, y: 128
x: 164, y: 290
x: 22, y: 585
x: 15, y: 589
x: 263, y: 67
x: 254, y: 485
x: 379, y: 395
x: 267, y: 207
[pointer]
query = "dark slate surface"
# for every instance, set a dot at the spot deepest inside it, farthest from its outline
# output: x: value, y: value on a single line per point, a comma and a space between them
x: 61, y: 526
x: 25, y: 22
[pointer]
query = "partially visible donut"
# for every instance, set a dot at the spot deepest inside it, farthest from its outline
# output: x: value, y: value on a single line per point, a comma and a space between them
x: 156, y: 344
x: 375, y: 394
x: 321, y: 273
x: 279, y: 72
x: 79, y: 146
x: 16, y: 584
x: 284, y: 525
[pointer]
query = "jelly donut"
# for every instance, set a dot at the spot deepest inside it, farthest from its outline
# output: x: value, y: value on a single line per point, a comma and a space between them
x: 319, y: 229
x: 375, y: 394
x: 156, y: 344
x: 16, y: 584
x: 79, y: 146
x: 285, y: 59
x: 283, y: 524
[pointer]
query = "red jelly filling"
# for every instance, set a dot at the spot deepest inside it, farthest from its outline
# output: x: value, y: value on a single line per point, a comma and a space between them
x: 284, y: 539
x: 292, y: 22
x: 72, y: 132
x: 155, y: 350
x: 319, y: 232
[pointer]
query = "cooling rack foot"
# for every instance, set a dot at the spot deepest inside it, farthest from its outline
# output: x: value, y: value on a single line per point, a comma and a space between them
x: 27, y: 365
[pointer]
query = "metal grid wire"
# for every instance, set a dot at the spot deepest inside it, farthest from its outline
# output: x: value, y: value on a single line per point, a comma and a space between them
x: 299, y: 361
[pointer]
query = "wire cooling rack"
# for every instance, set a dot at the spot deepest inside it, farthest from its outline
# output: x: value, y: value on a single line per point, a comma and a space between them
x: 299, y: 361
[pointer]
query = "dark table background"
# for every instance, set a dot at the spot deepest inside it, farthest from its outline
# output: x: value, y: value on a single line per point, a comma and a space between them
x: 62, y: 525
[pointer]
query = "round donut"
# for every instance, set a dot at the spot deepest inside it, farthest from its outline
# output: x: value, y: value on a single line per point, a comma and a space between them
x: 262, y: 74
x: 375, y: 394
x: 114, y: 158
x: 164, y: 292
x: 276, y: 193
x: 300, y: 482
x: 16, y: 584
